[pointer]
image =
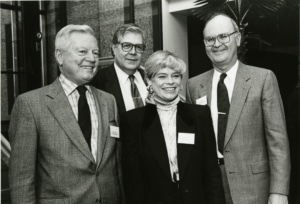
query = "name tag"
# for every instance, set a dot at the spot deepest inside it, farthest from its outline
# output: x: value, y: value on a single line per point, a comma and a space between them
x: 202, y: 100
x: 114, y: 131
x: 186, y: 138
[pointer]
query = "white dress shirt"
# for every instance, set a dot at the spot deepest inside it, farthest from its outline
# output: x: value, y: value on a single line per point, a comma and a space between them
x: 73, y: 96
x: 229, y: 82
x: 126, y: 87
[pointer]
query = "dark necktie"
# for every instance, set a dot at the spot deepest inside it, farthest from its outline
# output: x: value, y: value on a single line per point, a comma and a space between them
x: 137, y: 100
x: 84, y: 115
x: 223, y: 110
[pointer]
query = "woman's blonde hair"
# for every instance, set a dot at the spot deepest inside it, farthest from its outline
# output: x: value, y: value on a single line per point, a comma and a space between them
x: 162, y: 59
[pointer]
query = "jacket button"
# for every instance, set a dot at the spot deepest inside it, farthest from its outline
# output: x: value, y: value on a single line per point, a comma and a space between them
x: 98, y: 201
x: 186, y: 191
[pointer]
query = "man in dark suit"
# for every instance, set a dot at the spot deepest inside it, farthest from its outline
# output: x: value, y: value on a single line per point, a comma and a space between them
x: 128, y: 47
x: 253, y: 152
x: 63, y: 149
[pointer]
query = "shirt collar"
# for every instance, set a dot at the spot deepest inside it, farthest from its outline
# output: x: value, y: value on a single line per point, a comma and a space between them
x: 123, y: 76
x: 69, y: 86
x: 231, y: 74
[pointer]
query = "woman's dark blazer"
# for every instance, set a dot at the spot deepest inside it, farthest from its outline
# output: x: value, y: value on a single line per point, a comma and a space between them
x: 146, y: 171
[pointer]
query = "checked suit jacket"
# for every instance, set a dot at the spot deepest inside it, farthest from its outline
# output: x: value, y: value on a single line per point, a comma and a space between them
x: 50, y: 159
x: 256, y: 150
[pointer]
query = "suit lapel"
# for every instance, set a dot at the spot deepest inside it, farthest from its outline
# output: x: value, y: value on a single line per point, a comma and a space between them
x: 206, y: 86
x: 142, y: 73
x: 183, y: 150
x: 102, y: 112
x: 113, y: 87
x: 154, y: 136
x: 59, y: 106
x: 239, y: 95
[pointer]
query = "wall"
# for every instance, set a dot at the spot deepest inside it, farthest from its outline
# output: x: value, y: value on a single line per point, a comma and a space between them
x: 106, y: 16
x: 174, y: 30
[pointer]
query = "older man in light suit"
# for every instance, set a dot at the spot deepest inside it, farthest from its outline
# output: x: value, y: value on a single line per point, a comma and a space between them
x: 58, y: 154
x: 253, y: 152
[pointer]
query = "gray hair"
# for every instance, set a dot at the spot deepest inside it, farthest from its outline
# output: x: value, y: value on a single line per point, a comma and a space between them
x: 122, y: 30
x: 62, y: 39
x: 212, y: 16
x: 162, y: 59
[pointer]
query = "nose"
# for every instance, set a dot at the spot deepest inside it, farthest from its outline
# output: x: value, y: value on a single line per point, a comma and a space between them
x: 217, y: 43
x: 90, y: 57
x: 170, y: 80
x: 133, y: 50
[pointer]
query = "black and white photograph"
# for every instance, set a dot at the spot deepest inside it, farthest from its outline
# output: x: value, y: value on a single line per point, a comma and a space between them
x: 150, y: 102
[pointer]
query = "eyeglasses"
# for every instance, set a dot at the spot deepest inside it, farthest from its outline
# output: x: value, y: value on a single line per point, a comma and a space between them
x: 222, y: 38
x: 127, y: 47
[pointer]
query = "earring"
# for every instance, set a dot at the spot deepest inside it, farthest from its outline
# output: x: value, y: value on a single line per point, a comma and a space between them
x: 150, y: 89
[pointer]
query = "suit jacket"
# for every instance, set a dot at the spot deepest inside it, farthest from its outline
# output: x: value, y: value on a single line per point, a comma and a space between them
x: 256, y: 150
x: 146, y: 170
x: 50, y: 159
x: 107, y: 80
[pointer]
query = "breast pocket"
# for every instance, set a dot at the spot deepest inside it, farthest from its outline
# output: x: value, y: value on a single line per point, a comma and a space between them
x: 260, y: 167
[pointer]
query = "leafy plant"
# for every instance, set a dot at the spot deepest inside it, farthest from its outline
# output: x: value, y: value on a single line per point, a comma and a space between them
x: 238, y: 8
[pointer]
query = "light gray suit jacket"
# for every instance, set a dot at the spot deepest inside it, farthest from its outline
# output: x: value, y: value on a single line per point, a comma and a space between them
x: 51, y: 161
x: 256, y: 150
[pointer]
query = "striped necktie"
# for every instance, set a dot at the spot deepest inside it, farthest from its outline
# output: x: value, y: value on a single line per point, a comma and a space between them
x: 137, y: 100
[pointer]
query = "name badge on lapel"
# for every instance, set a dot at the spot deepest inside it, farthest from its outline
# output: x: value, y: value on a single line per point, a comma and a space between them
x: 202, y: 100
x: 114, y: 131
x: 186, y: 138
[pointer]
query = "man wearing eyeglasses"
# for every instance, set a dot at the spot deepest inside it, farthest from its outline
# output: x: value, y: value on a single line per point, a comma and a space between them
x: 248, y: 119
x: 125, y: 78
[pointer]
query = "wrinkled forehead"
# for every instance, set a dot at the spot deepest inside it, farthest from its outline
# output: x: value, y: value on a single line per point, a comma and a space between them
x: 217, y: 25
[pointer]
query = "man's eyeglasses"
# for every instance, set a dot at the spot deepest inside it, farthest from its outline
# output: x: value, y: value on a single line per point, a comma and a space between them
x: 222, y: 38
x: 127, y: 47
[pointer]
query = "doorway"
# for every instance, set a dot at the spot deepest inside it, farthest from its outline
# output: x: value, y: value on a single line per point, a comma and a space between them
x: 22, y: 54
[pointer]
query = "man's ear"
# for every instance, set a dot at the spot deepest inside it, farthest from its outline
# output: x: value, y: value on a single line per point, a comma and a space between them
x: 238, y: 39
x: 58, y: 56
x: 112, y: 49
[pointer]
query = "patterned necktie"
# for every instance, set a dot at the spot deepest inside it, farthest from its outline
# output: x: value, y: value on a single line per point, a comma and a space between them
x: 84, y: 115
x: 223, y: 110
x: 137, y: 100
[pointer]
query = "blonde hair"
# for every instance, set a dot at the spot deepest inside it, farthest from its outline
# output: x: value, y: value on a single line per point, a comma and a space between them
x: 162, y: 59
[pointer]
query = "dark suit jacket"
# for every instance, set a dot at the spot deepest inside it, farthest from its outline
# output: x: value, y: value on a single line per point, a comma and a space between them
x: 107, y: 80
x: 50, y: 159
x: 256, y: 150
x: 147, y: 176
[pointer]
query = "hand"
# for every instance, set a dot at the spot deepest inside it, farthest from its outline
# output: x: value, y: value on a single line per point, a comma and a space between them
x: 277, y: 199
